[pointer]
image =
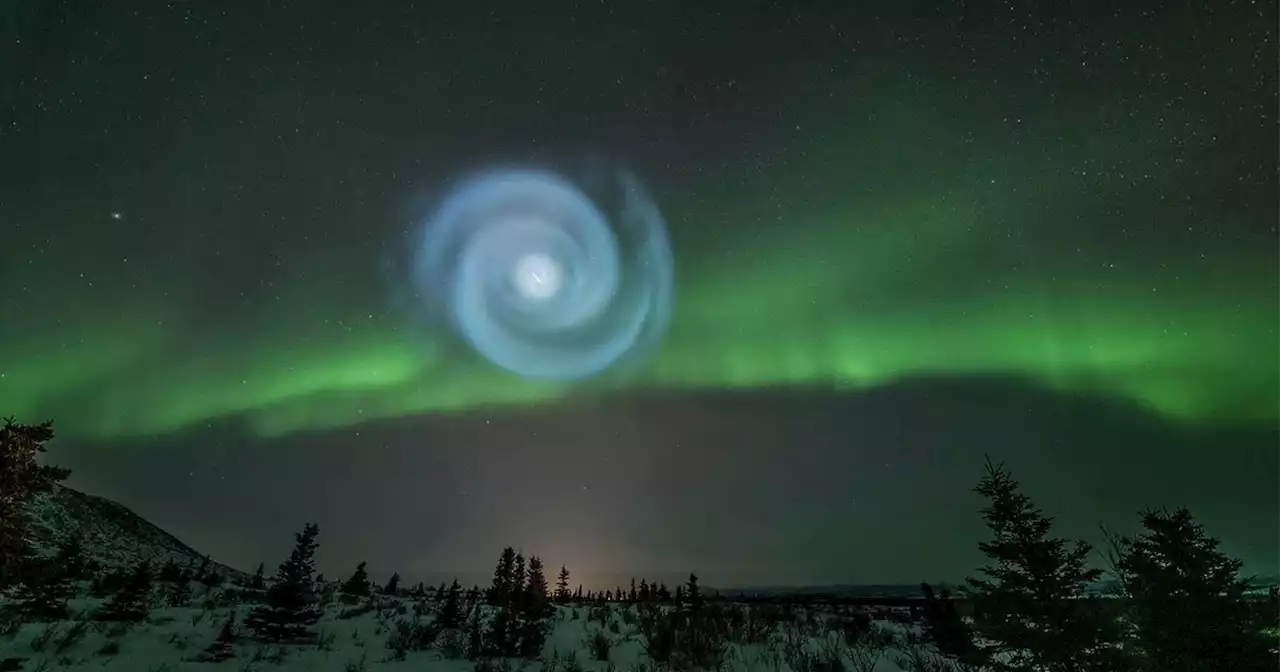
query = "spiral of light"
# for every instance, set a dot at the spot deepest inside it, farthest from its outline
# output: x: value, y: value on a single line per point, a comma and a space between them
x: 546, y: 276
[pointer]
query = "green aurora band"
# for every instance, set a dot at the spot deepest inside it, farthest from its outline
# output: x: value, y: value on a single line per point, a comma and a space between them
x: 965, y: 266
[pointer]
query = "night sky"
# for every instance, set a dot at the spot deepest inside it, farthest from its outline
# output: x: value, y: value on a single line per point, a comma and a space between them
x: 905, y: 234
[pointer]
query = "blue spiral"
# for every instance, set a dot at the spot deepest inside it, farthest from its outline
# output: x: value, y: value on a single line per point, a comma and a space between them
x: 546, y: 276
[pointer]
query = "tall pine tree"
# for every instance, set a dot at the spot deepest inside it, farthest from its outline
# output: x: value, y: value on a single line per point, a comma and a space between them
x: 562, y: 585
x: 534, y: 611
x: 502, y: 636
x: 1187, y: 599
x: 21, y: 479
x: 292, y: 606
x: 1031, y: 611
x: 500, y: 592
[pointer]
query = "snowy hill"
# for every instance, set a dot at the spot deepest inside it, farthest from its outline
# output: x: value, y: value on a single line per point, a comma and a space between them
x: 112, y: 535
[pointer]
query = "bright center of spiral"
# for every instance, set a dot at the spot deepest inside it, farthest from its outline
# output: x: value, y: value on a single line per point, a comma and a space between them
x: 537, y: 277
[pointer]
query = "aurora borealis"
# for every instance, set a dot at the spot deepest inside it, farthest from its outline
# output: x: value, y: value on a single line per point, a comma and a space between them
x: 858, y: 199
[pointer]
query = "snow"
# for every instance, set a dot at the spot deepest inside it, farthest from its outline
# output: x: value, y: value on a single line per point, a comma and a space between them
x: 171, y: 639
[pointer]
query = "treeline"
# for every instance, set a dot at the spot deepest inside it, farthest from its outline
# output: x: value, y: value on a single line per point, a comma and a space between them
x: 1181, y: 607
x: 1182, y: 604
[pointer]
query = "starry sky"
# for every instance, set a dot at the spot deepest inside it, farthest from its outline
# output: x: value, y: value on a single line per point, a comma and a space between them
x: 905, y: 233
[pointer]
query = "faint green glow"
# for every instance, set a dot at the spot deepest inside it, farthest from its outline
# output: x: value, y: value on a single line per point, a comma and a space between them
x: 902, y: 266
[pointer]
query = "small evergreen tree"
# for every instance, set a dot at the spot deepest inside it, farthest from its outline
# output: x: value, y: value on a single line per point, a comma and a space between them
x: 393, y: 585
x: 291, y: 606
x: 258, y: 582
x: 358, y: 583
x: 562, y: 585
x: 663, y: 594
x: 1187, y: 599
x: 449, y: 614
x: 223, y: 646
x: 693, y: 594
x: 132, y: 602
x: 631, y: 596
x: 1031, y: 609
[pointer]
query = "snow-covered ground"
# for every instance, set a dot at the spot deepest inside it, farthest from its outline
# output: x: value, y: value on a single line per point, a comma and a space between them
x: 351, y: 638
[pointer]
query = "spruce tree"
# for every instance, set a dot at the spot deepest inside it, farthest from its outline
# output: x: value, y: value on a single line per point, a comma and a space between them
x: 500, y: 592
x: 449, y: 614
x: 358, y: 583
x: 21, y: 479
x: 631, y: 596
x: 507, y: 592
x: 534, y: 611
x: 1187, y: 599
x: 518, y: 578
x: 693, y: 594
x: 1031, y: 611
x: 562, y: 585
x: 258, y: 582
x: 132, y: 602
x: 393, y: 585
x: 291, y: 606
x: 223, y: 646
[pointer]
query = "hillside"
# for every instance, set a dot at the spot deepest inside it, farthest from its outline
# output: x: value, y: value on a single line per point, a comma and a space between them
x: 113, y: 535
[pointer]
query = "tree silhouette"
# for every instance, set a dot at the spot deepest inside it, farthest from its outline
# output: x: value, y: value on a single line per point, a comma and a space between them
x: 358, y: 582
x: 562, y: 585
x: 223, y: 646
x: 534, y: 611
x: 693, y: 594
x: 291, y: 606
x: 1187, y: 599
x: 449, y: 614
x: 500, y: 592
x: 1030, y: 609
x: 258, y: 582
x: 21, y: 479
x: 393, y: 585
x: 506, y: 593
